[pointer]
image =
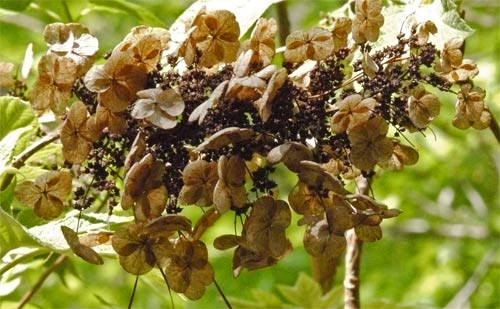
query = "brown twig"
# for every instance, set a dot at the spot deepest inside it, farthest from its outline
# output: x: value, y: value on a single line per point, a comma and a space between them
x: 495, y: 129
x: 26, y: 298
x: 353, y: 258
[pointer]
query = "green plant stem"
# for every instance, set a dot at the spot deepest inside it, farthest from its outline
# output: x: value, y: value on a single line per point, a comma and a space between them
x: 283, y: 21
x: 131, y: 300
x: 26, y: 298
x: 222, y: 295
x: 66, y: 11
x: 21, y: 159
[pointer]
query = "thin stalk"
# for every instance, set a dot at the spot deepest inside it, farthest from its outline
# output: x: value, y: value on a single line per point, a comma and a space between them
x: 166, y: 282
x: 495, y: 129
x: 353, y: 257
x: 66, y: 11
x: 131, y: 301
x: 26, y: 298
x: 222, y: 295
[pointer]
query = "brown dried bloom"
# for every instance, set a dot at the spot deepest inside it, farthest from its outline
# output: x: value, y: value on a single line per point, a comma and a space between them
x: 78, y: 133
x: 158, y: 107
x: 264, y: 230
x: 115, y: 122
x: 264, y: 104
x: 451, y: 55
x: 74, y: 41
x: 470, y: 109
x: 370, y: 144
x: 188, y: 270
x: 117, y: 81
x: 199, y: 179
x: 368, y: 20
x: 315, y: 44
x: 351, y: 112
x: 341, y: 29
x: 145, y: 44
x: 423, y: 107
x: 83, y: 251
x: 144, y: 189
x: 52, y: 89
x: 216, y: 37
x: 262, y: 42
x: 424, y: 30
x: 46, y: 194
x: 402, y: 155
x: 230, y: 190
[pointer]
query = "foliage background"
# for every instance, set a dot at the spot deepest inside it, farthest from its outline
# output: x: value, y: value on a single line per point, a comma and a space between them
x: 450, y: 199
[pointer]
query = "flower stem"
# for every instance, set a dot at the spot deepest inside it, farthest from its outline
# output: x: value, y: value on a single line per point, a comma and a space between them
x: 26, y: 298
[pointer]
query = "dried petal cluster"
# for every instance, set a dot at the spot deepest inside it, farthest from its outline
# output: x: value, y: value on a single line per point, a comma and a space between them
x: 156, y: 136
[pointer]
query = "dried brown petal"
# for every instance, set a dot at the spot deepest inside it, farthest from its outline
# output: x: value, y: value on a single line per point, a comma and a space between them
x: 315, y: 44
x: 370, y: 144
x: 115, y: 122
x: 6, y: 69
x: 470, y: 108
x: 199, y: 179
x: 159, y: 107
x: 117, y: 81
x: 216, y: 37
x: 423, y: 107
x: 307, y: 202
x: 52, y: 89
x: 46, y: 194
x: 229, y: 190
x: 402, y: 155
x: 225, y: 242
x: 83, y: 251
x: 264, y: 230
x: 290, y: 154
x: 225, y: 137
x: 351, y: 112
x: 341, y: 29
x: 319, y: 241
x: 262, y: 42
x: 368, y: 20
x: 78, y: 133
x: 424, y: 30
x: 368, y: 233
x: 264, y: 104
x: 314, y: 175
x: 188, y: 270
x: 201, y: 110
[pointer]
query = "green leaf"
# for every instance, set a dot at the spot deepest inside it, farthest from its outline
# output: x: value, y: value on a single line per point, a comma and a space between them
x: 131, y: 9
x: 14, y: 113
x: 305, y: 293
x: 8, y: 144
x: 15, y: 5
x: 7, y: 196
x: 12, y: 234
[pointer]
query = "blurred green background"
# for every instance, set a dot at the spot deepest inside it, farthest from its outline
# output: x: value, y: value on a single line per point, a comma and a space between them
x: 447, y: 234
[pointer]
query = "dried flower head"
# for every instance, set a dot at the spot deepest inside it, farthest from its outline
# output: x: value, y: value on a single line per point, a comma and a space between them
x: 315, y: 44
x: 188, y: 270
x: 78, y: 133
x: 158, y: 107
x: 451, y: 56
x: 370, y: 144
x: 423, y: 107
x: 144, y: 189
x: 52, y: 89
x: 230, y: 190
x: 470, y: 109
x: 351, y: 112
x: 46, y: 194
x: 83, y: 251
x: 368, y: 20
x: 216, y: 37
x: 262, y: 42
x: 199, y: 179
x: 340, y: 32
x: 117, y: 81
